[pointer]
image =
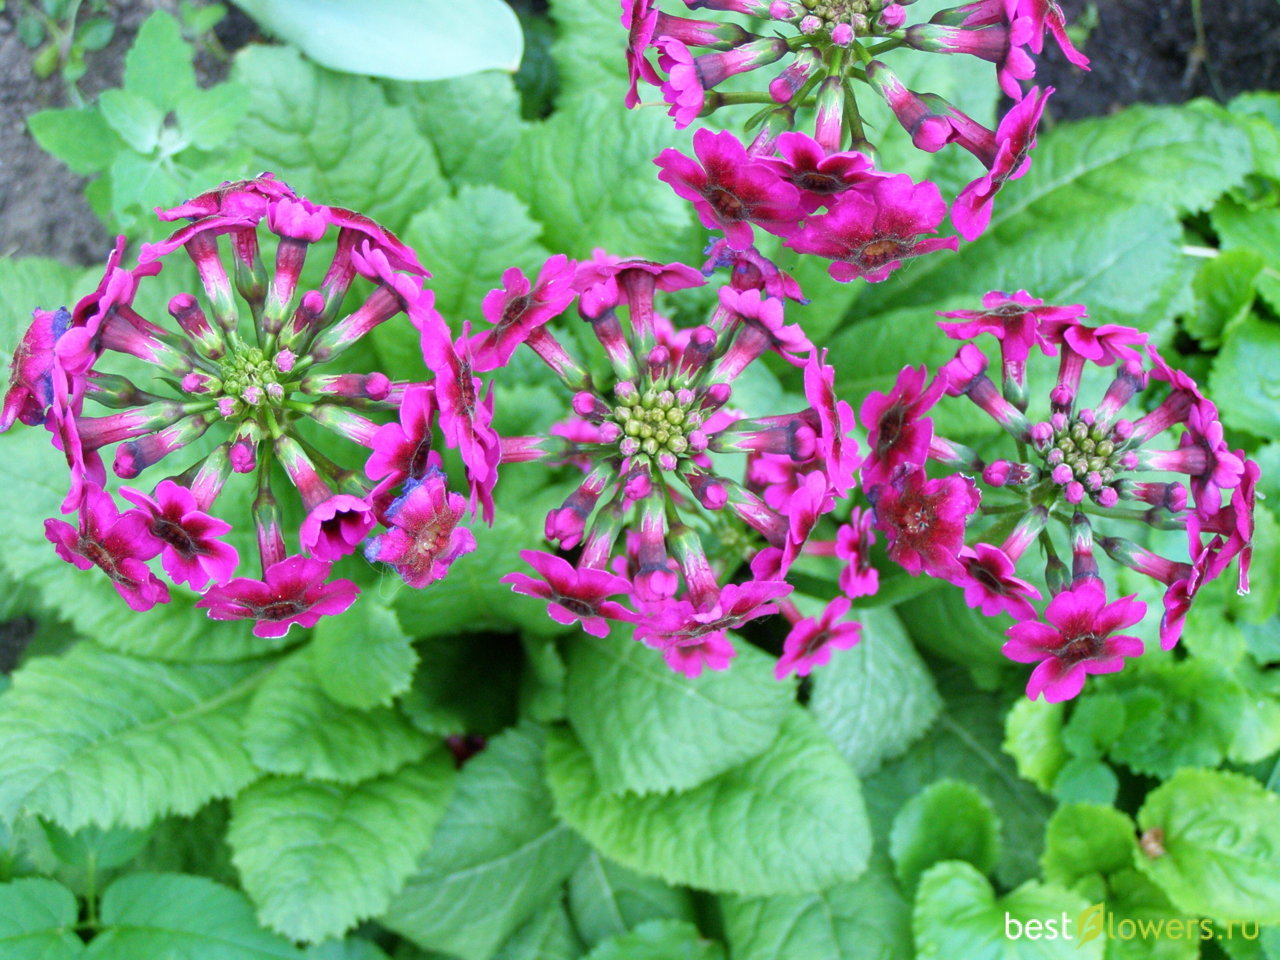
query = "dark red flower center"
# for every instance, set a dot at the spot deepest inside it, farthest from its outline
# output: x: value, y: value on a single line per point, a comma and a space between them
x: 281, y: 610
x: 101, y: 557
x: 175, y: 536
x: 890, y: 425
x: 578, y: 606
x: 881, y: 251
x: 727, y: 204
x: 1086, y: 646
x: 514, y: 310
x: 816, y: 182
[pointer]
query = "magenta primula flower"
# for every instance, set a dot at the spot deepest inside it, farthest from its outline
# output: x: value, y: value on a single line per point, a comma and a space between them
x: 649, y: 495
x: 241, y: 375
x: 1088, y: 471
x: 729, y: 190
x: 811, y: 640
x: 519, y: 308
x: 423, y: 537
x: 898, y: 432
x: 872, y: 228
x: 573, y: 595
x: 924, y: 520
x: 1076, y: 640
x: 293, y: 590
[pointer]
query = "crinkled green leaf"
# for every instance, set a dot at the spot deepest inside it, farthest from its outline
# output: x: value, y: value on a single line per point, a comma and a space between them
x: 590, y: 48
x: 353, y: 948
x: 1085, y: 838
x: 957, y: 915
x: 473, y: 122
x: 96, y: 737
x: 648, y: 729
x: 80, y: 138
x: 1246, y: 377
x: 876, y: 699
x: 1224, y: 289
x: 659, y: 940
x: 607, y: 899
x: 402, y: 39
x: 498, y: 856
x: 868, y: 919
x: 362, y: 658
x: 181, y: 918
x: 791, y: 820
x: 587, y: 175
x: 293, y: 727
x: 1221, y: 839
x: 964, y: 744
x: 468, y: 241
x: 1086, y: 780
x: 207, y: 118
x: 94, y: 847
x: 37, y: 921
x: 947, y: 820
x: 1033, y: 737
x: 942, y: 623
x: 333, y: 137
x: 158, y: 65
x: 548, y: 935
x: 1131, y: 896
x: 1241, y: 228
x: 136, y: 119
x: 317, y: 858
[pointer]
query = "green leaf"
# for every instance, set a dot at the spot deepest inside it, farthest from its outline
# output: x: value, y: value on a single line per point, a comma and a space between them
x: 402, y: 39
x: 868, y: 919
x: 1246, y: 377
x: 135, y: 118
x: 79, y: 138
x: 942, y: 623
x: 1086, y: 838
x: 292, y: 727
x: 948, y: 820
x: 446, y: 701
x: 590, y: 48
x: 333, y: 137
x: 1221, y: 837
x: 659, y: 940
x: 606, y: 899
x: 468, y: 241
x: 875, y: 700
x: 1131, y: 896
x: 471, y: 122
x: 956, y: 915
x: 791, y: 820
x: 37, y: 921
x: 649, y: 730
x: 547, y: 936
x: 1033, y: 737
x: 318, y: 858
x: 94, y: 847
x: 1086, y: 780
x: 964, y: 744
x: 353, y: 948
x: 183, y: 918
x: 1224, y: 289
x: 587, y: 174
x: 95, y: 737
x: 208, y: 118
x: 499, y: 854
x: 1241, y: 228
x: 158, y: 65
x: 362, y: 658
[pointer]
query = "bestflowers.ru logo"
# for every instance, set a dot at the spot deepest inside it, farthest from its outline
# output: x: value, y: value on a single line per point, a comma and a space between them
x: 1096, y: 921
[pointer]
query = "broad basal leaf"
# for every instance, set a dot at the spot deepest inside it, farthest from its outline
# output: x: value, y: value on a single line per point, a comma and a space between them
x: 498, y: 856
x: 317, y: 858
x: 181, y: 918
x: 548, y: 935
x: 659, y: 940
x: 948, y: 820
x: 362, y: 658
x: 607, y: 899
x: 1220, y: 833
x: 790, y: 820
x: 876, y: 699
x: 96, y: 737
x: 648, y: 729
x: 293, y: 727
x: 37, y: 921
x: 1086, y: 838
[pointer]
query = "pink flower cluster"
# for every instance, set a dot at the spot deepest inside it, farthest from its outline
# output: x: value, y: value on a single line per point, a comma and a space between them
x: 872, y: 219
x: 652, y: 497
x: 251, y: 360
x: 1090, y: 468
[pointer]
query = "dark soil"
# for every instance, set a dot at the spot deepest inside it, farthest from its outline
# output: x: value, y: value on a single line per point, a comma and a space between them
x: 1150, y: 51
x: 1142, y: 50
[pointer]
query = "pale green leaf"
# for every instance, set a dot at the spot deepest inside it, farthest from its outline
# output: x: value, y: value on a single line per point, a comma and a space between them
x: 875, y: 700
x: 790, y: 820
x: 659, y: 940
x: 607, y: 899
x: 1033, y: 737
x: 401, y: 39
x: 37, y: 921
x: 590, y: 50
x: 158, y: 65
x: 333, y: 137
x: 176, y: 917
x: 96, y: 737
x: 135, y: 118
x: 317, y: 858
x: 362, y: 658
x: 648, y: 729
x: 208, y: 118
x: 1221, y: 840
x: 80, y: 138
x: 947, y: 820
x: 1246, y: 377
x: 293, y: 727
x: 499, y: 854
x: 1085, y: 838
x: 546, y: 936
